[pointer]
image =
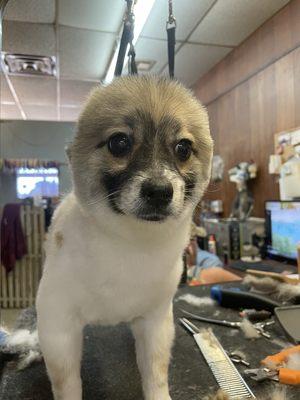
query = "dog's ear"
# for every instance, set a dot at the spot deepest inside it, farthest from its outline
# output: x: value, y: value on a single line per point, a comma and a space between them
x: 68, y: 150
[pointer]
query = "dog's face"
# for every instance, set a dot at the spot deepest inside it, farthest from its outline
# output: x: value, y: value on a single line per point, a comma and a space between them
x: 143, y: 149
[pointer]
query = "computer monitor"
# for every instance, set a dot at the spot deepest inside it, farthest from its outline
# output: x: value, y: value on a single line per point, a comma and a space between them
x: 32, y: 182
x: 283, y: 228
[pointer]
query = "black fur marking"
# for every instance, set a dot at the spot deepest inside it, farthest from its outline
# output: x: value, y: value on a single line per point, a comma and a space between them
x: 153, y: 217
x: 113, y: 184
x: 101, y: 144
x: 190, y: 183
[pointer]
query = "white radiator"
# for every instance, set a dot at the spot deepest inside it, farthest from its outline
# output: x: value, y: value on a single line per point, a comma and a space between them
x: 18, y: 288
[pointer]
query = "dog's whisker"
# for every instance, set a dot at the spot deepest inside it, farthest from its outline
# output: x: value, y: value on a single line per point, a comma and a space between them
x: 101, y: 199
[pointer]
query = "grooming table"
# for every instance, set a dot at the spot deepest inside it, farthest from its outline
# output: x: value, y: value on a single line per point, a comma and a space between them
x: 109, y: 368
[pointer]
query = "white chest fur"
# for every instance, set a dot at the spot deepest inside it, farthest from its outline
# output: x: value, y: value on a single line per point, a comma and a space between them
x: 106, y: 276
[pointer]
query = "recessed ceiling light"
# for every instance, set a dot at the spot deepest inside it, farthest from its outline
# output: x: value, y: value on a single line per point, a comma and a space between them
x: 25, y: 64
x: 145, y: 66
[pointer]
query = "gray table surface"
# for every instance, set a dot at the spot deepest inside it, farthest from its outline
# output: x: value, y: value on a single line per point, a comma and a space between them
x: 109, y: 368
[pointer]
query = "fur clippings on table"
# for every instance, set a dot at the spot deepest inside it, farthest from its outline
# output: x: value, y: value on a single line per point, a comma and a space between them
x: 278, y: 394
x: 249, y: 330
x: 196, y: 301
x: 23, y: 340
x: 24, y: 344
x: 282, y: 291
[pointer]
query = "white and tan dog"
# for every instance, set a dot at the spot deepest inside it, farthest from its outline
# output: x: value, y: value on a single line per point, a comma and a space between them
x: 140, y: 163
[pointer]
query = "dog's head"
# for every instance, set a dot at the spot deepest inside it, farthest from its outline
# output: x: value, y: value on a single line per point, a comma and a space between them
x: 143, y: 149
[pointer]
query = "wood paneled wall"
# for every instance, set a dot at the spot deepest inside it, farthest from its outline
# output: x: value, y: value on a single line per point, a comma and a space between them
x: 252, y: 94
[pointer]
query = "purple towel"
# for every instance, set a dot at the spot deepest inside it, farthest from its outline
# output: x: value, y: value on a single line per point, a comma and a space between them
x: 13, y: 244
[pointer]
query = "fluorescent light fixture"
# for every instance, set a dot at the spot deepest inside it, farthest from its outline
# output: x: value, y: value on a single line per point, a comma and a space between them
x: 142, y: 10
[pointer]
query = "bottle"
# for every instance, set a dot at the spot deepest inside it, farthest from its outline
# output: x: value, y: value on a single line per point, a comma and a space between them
x: 184, y: 279
x: 225, y: 254
x: 212, y: 247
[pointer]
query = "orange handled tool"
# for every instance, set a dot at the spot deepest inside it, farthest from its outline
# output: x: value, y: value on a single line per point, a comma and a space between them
x: 274, y: 368
x: 289, y: 376
x: 277, y: 361
x: 281, y: 357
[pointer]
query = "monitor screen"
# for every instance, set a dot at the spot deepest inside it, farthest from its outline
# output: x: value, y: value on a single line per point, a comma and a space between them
x: 33, y: 182
x: 283, y: 228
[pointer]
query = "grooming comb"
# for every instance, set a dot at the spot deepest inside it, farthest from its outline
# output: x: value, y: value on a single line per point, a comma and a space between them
x: 223, y: 369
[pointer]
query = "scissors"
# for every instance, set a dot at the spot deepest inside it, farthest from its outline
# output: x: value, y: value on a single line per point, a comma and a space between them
x: 259, y: 326
x: 237, y: 359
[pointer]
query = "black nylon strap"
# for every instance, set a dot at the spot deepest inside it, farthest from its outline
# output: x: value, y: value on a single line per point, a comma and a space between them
x: 171, y: 49
x: 171, y: 29
x: 125, y: 40
x: 132, y: 68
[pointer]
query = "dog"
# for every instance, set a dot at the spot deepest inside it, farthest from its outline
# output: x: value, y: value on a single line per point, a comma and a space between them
x: 140, y: 163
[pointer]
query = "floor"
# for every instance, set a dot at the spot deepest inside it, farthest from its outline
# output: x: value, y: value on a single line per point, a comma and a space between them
x: 8, y: 317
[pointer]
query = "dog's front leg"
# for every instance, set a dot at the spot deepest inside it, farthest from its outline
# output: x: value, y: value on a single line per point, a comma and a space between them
x: 154, y: 336
x: 61, y: 344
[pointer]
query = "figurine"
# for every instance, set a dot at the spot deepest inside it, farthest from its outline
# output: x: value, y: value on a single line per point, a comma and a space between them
x: 243, y: 203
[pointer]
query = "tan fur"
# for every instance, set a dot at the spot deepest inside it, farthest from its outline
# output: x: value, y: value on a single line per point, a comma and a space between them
x: 159, y: 98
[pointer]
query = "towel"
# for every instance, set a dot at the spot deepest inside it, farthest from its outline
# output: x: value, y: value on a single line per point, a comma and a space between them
x: 13, y: 243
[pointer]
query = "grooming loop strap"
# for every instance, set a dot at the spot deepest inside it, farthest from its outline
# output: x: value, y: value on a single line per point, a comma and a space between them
x: 126, y: 39
x: 171, y: 30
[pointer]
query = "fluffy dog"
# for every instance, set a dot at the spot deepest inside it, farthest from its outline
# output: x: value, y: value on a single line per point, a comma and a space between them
x: 140, y: 163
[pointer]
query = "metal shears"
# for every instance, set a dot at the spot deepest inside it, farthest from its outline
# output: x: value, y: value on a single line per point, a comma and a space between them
x: 259, y: 326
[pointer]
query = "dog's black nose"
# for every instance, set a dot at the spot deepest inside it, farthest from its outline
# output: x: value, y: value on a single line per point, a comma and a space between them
x: 157, y: 194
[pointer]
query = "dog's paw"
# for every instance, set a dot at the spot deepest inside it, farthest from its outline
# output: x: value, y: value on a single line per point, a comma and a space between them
x: 158, y: 397
x: 220, y: 395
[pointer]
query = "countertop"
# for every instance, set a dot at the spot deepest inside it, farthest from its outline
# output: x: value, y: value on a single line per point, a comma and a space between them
x: 109, y: 370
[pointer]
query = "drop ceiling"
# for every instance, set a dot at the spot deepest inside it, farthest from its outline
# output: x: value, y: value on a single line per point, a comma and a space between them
x: 82, y: 34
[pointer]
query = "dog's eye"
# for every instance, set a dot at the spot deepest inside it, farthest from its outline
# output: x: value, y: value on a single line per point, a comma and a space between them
x: 183, y: 149
x: 120, y: 144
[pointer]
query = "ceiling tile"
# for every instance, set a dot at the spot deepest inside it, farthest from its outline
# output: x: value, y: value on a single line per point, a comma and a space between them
x: 35, y: 90
x: 193, y: 60
x: 5, y: 93
x: 152, y: 50
x: 187, y: 14
x: 74, y: 92
x: 92, y: 14
x: 10, y: 111
x: 41, y: 113
x: 231, y: 21
x: 69, y: 113
x: 27, y: 38
x: 84, y: 54
x: 42, y: 11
